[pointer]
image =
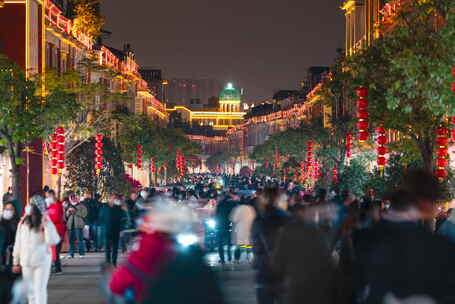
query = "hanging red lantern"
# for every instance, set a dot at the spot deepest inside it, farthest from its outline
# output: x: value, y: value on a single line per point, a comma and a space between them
x: 54, y: 154
x: 348, y: 145
x: 442, y: 141
x: 309, y: 158
x: 60, y: 131
x: 335, y: 175
x: 382, y: 149
x: 362, y: 114
x: 98, y: 153
x: 139, y: 157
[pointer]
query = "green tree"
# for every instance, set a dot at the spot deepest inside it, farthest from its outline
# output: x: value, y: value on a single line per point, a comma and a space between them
x: 27, y: 112
x: 408, y: 74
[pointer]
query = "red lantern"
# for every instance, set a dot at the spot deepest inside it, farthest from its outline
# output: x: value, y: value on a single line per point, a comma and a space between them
x: 363, y: 125
x: 442, y: 141
x: 334, y: 175
x: 442, y: 162
x: 362, y: 114
x: 348, y: 145
x: 382, y: 161
x: 54, y: 171
x: 54, y: 162
x: 362, y: 92
x: 61, y: 165
x: 442, y: 132
x: 382, y: 150
x: 382, y: 140
x: 441, y: 173
x: 139, y: 156
x: 362, y: 103
x: 363, y: 136
x: 443, y: 152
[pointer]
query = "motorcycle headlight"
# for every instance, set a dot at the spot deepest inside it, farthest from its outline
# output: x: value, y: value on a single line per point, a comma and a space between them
x: 187, y: 239
x: 211, y: 223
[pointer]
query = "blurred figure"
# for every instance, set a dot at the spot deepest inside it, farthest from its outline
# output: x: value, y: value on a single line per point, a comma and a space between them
x: 269, y: 220
x: 32, y: 255
x: 222, y: 213
x: 56, y: 215
x: 75, y: 214
x: 8, y: 196
x: 8, y: 227
x: 398, y: 255
x: 302, y: 259
x: 155, y: 249
x: 113, y: 216
x: 242, y: 218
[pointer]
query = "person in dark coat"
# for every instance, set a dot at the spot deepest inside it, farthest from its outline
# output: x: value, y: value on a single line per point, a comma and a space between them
x: 91, y: 219
x: 222, y: 214
x: 399, y: 256
x: 8, y: 226
x: 270, y: 219
x: 113, y: 216
x: 303, y: 259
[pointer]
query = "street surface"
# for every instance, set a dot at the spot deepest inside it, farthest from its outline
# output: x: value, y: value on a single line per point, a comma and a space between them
x: 81, y: 282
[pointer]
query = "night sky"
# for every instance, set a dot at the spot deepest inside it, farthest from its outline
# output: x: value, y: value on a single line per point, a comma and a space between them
x: 260, y: 45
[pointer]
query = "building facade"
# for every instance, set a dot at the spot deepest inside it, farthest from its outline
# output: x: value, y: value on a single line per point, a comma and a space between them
x: 194, y: 94
x: 38, y: 36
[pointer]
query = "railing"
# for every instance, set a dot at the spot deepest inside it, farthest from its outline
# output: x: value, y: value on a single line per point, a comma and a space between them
x: 55, y: 17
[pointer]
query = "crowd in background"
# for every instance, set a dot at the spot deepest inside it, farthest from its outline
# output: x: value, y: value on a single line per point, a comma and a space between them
x: 306, y: 245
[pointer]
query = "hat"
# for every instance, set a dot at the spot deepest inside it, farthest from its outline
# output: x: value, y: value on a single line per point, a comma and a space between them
x: 39, y: 202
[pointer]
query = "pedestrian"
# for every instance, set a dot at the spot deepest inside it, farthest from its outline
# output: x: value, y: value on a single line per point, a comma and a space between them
x: 92, y: 207
x: 224, y: 226
x: 269, y: 220
x: 398, y: 255
x: 57, y: 216
x: 113, y: 215
x: 8, y: 196
x: 303, y: 260
x: 8, y: 227
x: 447, y: 228
x: 242, y: 218
x: 32, y: 254
x: 75, y: 214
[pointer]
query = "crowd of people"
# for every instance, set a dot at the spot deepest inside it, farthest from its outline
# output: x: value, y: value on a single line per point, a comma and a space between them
x: 305, y: 245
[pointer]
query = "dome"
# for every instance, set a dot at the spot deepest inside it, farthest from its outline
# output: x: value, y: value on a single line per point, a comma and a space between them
x: 229, y: 93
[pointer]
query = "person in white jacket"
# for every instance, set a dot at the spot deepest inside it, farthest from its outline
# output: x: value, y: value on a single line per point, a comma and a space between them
x: 32, y: 252
x: 242, y: 218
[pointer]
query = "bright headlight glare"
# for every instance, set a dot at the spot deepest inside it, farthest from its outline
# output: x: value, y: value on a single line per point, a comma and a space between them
x: 187, y: 239
x: 211, y: 223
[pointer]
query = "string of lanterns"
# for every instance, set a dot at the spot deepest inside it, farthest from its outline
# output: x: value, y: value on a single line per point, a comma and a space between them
x: 442, y: 142
x: 139, y: 156
x: 152, y: 167
x: 362, y: 114
x: 309, y: 156
x: 180, y: 163
x: 382, y: 149
x: 335, y: 175
x: 98, y: 153
x: 58, y: 151
x: 348, y: 145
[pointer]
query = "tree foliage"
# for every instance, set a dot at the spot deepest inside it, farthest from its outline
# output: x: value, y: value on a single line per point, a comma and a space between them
x: 29, y: 109
x: 408, y: 74
x: 81, y: 169
x: 87, y: 17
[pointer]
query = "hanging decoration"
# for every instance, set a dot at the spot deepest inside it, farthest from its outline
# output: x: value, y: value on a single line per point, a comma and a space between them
x: 152, y: 168
x: 182, y: 165
x: 277, y: 158
x: 309, y: 156
x: 362, y: 114
x: 382, y: 148
x: 54, y: 154
x: 348, y: 145
x: 452, y: 120
x: 334, y: 175
x: 442, y: 142
x: 98, y: 153
x: 61, y: 148
x: 139, y: 157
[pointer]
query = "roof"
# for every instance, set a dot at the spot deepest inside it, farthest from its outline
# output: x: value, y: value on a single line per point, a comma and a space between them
x: 230, y: 93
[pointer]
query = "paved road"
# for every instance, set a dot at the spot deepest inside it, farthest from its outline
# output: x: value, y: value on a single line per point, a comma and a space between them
x: 81, y: 282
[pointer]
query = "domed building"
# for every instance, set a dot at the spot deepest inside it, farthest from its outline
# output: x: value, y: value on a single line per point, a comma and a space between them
x: 229, y: 99
x: 228, y: 114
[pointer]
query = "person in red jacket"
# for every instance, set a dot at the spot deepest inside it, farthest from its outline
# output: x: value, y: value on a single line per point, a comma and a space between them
x: 56, y: 214
x: 155, y: 249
